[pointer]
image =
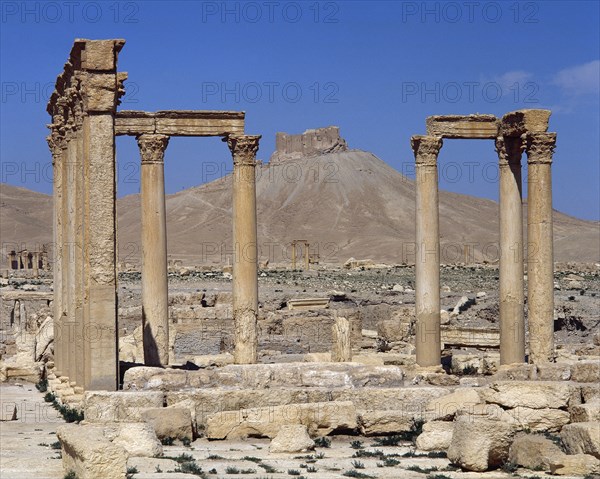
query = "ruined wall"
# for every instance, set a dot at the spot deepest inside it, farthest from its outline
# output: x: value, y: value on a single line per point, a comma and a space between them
x: 310, y: 143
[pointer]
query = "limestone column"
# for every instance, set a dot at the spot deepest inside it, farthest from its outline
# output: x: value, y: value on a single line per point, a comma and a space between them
x: 512, y: 321
x: 57, y: 271
x: 427, y: 261
x: 155, y: 317
x: 245, y: 268
x: 306, y: 256
x: 341, y: 346
x: 540, y: 254
x: 293, y: 255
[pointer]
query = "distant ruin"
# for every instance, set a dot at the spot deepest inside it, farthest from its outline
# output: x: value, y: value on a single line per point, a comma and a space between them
x: 312, y: 142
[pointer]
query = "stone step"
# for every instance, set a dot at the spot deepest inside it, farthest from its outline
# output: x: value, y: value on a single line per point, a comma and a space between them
x: 262, y: 376
x: 204, y: 403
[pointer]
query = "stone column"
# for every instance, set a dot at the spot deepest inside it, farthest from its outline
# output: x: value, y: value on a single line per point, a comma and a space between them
x: 427, y: 260
x: 341, y: 347
x: 293, y: 255
x: 245, y: 268
x: 540, y: 254
x: 512, y: 321
x: 306, y: 256
x: 155, y: 314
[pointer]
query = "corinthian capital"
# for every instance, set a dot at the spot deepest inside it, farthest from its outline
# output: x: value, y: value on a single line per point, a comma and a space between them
x: 243, y: 148
x: 426, y: 149
x: 509, y: 150
x: 152, y: 147
x: 539, y: 147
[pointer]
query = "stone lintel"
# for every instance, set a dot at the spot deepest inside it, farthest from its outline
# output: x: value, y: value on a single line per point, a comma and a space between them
x: 517, y: 123
x: 180, y: 122
x: 463, y: 126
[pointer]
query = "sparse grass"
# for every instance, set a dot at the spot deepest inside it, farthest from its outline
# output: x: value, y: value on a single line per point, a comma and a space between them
x: 215, y: 457
x: 359, y: 475
x: 388, y: 462
x: 267, y: 468
x: 158, y: 469
x: 232, y: 470
x: 71, y: 475
x: 190, y: 467
x: 42, y: 386
x: 441, y: 476
x: 186, y: 442
x: 509, y: 467
x: 358, y: 465
x: 356, y: 445
x: 322, y: 442
x: 167, y: 441
x: 311, y: 469
x: 376, y: 453
x: 56, y: 445
x: 388, y: 440
x: 422, y: 470
x: 248, y: 471
x: 131, y: 471
x: 252, y: 459
x: 49, y: 397
x: 293, y: 472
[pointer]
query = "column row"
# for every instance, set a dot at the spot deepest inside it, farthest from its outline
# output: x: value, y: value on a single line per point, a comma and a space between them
x: 540, y: 262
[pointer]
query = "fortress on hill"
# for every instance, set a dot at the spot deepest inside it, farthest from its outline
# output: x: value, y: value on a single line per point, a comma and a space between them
x: 313, y: 142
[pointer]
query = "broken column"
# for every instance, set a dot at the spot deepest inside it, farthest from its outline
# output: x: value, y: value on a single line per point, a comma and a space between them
x: 512, y: 322
x: 245, y: 267
x: 540, y: 255
x: 427, y: 261
x: 341, y: 350
x: 155, y: 318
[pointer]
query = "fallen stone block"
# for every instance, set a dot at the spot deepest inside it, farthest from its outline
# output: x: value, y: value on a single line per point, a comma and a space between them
x: 377, y: 423
x: 582, y: 438
x: 479, y: 444
x: 586, y: 371
x: 537, y: 420
x: 531, y: 394
x: 445, y: 407
x: 575, y: 465
x: 119, y: 406
x: 138, y: 439
x: 533, y: 452
x: 586, y: 412
x: 292, y: 438
x: 89, y: 454
x: 170, y: 422
x: 320, y: 419
x: 436, y: 436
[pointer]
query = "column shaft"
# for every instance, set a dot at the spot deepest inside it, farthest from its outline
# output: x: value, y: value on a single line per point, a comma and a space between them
x: 155, y: 314
x: 427, y: 261
x: 55, y: 142
x: 245, y: 268
x: 540, y: 254
x: 512, y: 321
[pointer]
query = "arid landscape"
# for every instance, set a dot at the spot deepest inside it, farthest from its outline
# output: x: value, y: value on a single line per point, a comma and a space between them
x: 299, y: 240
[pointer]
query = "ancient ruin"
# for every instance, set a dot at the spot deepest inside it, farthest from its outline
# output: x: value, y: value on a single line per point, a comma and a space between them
x: 85, y: 122
x: 309, y: 143
x: 524, y: 130
x: 345, y: 369
x: 28, y: 260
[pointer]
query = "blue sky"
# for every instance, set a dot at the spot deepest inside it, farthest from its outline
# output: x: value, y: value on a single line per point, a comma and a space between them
x: 376, y: 69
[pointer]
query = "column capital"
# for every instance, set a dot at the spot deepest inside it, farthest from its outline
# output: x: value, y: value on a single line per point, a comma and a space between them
x: 426, y: 149
x: 539, y: 147
x: 243, y: 148
x: 152, y: 147
x: 509, y: 150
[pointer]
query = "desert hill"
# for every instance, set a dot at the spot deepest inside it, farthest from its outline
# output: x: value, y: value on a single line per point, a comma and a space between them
x: 346, y: 203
